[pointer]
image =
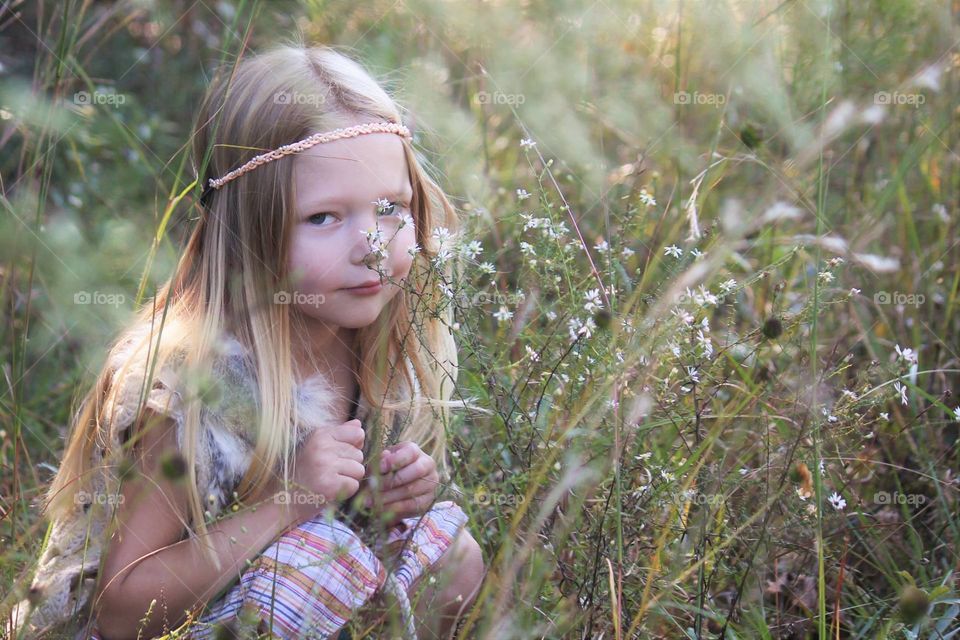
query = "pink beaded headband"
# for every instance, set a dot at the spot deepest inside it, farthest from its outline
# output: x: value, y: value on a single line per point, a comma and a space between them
x: 306, y: 143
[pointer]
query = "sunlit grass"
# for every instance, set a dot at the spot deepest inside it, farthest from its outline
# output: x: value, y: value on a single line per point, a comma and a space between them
x: 711, y: 306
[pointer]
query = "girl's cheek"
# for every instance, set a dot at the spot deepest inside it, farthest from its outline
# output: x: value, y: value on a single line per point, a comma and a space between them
x: 400, y: 251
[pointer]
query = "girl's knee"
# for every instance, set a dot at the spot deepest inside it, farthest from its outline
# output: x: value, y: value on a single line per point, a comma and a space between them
x: 467, y: 558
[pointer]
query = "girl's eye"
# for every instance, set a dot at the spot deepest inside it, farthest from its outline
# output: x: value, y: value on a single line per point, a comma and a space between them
x: 391, y: 208
x: 318, y: 218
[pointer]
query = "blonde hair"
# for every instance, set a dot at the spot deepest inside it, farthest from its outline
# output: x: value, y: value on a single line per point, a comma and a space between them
x: 236, y: 258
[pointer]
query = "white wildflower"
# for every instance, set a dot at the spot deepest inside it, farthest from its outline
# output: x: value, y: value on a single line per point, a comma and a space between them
x: 578, y: 327
x: 647, y: 199
x: 727, y: 286
x: 907, y: 354
x: 503, y: 314
x: 825, y: 276
x: 471, y: 250
x: 527, y: 143
x: 592, y: 300
x: 673, y: 250
x: 522, y: 194
x: 602, y: 246
x: 837, y: 501
x: 902, y: 390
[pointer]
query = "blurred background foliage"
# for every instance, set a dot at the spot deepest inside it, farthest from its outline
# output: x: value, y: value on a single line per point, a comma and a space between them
x: 762, y: 139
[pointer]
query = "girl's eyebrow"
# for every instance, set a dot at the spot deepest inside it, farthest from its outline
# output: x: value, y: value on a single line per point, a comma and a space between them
x: 404, y: 194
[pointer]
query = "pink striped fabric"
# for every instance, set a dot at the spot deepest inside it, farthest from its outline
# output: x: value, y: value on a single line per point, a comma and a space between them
x: 316, y: 575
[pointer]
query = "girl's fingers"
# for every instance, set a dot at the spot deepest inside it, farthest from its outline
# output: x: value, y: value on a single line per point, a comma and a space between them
x: 421, y: 486
x: 409, y: 507
x: 400, y: 455
x: 422, y: 467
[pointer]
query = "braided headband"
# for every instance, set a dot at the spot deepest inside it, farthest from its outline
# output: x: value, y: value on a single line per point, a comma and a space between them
x: 306, y: 143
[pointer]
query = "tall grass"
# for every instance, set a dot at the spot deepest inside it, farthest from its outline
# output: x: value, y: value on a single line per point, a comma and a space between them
x: 710, y: 299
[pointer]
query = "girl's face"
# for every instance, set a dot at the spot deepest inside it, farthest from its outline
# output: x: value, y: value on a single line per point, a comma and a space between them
x: 335, y: 246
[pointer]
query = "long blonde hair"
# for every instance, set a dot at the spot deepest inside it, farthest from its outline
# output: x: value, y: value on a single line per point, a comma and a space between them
x: 236, y: 258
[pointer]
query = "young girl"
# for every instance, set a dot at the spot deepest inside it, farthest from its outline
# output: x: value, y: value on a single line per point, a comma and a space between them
x: 284, y: 394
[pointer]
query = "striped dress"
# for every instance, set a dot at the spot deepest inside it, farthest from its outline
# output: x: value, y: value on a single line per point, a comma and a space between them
x: 314, y: 577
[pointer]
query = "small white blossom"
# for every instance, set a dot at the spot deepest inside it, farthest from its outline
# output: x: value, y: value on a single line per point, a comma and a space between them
x: 522, y: 194
x: 885, y: 416
x: 727, y: 286
x: 578, y: 327
x: 627, y: 252
x: 533, y: 354
x: 902, y: 390
x: 647, y: 199
x: 696, y: 253
x: 414, y: 250
x: 592, y: 300
x: 685, y: 316
x: 442, y: 235
x: 956, y: 413
x: 907, y: 354
x: 527, y: 143
x: 602, y: 246
x: 825, y: 276
x: 471, y: 249
x: 705, y: 343
x: 503, y: 314
x: 487, y: 267
x: 837, y: 501
x: 854, y: 291
x: 673, y: 250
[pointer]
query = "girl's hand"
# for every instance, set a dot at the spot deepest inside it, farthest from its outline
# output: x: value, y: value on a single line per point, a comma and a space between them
x: 409, y: 483
x: 328, y: 469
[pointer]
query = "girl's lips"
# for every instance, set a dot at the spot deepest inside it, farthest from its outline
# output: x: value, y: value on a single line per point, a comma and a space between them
x: 365, y: 290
